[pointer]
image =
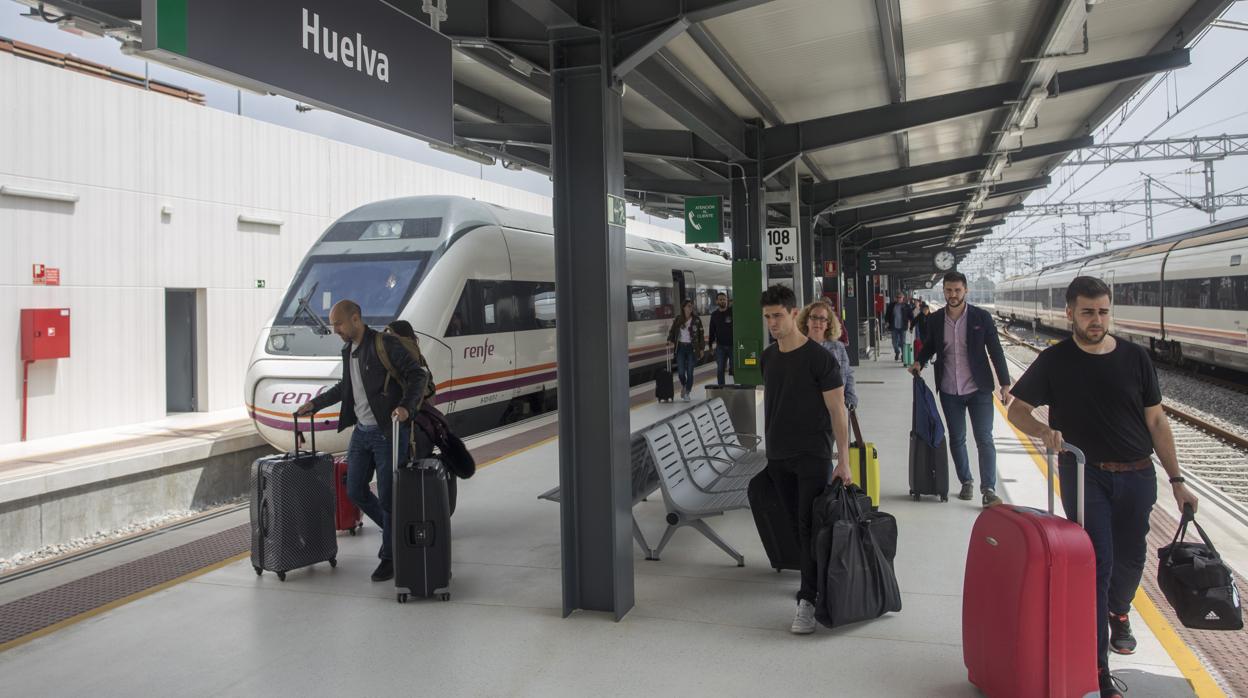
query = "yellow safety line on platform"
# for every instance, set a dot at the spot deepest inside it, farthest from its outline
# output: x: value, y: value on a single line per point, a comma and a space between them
x: 1193, y: 670
x: 72, y: 620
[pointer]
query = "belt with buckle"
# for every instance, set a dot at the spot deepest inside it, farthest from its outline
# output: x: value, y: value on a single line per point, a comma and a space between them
x: 1122, y: 467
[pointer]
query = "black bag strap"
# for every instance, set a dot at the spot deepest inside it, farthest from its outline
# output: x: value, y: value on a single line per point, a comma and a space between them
x: 1189, y: 517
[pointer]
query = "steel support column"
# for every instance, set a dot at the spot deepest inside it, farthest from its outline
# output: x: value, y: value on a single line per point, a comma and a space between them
x: 592, y: 340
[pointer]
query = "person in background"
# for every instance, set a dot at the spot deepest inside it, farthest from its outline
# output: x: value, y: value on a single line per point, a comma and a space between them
x: 920, y: 326
x: 897, y: 318
x: 963, y: 338
x: 1103, y: 397
x: 687, y: 338
x: 819, y: 322
x: 721, y: 336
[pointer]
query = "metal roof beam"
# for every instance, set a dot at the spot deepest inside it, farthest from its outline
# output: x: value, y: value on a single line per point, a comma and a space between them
x: 488, y: 107
x: 642, y: 47
x: 929, y: 238
x: 888, y: 14
x: 881, y: 232
x: 662, y: 83
x: 677, y: 187
x: 658, y: 143
x: 829, y: 193
x: 922, y: 204
x: 782, y: 143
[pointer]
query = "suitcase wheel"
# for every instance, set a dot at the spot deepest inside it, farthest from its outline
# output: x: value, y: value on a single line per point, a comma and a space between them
x: 444, y: 596
x: 944, y: 497
x: 401, y: 598
x: 258, y: 570
x: 281, y: 576
x: 352, y: 530
x: 914, y: 496
x: 333, y: 562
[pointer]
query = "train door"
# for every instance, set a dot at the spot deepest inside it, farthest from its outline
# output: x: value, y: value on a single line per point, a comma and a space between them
x: 683, y: 283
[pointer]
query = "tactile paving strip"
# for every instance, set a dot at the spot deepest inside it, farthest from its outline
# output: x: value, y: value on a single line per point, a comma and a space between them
x: 1224, y: 653
x: 47, y: 608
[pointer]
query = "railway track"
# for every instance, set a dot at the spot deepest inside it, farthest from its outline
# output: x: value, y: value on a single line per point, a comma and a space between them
x: 1218, y: 458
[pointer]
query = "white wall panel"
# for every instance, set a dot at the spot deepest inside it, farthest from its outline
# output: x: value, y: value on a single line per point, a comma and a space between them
x: 127, y: 153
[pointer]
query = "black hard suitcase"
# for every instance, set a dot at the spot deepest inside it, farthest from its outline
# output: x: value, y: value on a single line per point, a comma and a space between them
x: 292, y: 510
x: 420, y: 521
x: 929, y: 468
x: 663, y: 388
x: 776, y: 527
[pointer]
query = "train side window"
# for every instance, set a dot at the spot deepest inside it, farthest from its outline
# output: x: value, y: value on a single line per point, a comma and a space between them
x: 663, y: 302
x: 640, y: 303
x: 1235, y: 260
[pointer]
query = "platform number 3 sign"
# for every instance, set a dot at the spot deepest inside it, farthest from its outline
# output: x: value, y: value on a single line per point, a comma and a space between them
x: 782, y: 245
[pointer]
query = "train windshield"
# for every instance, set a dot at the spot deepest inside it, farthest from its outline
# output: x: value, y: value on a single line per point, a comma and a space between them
x: 381, y: 284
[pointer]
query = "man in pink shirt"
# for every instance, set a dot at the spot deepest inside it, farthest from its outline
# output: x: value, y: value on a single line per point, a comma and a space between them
x: 963, y: 338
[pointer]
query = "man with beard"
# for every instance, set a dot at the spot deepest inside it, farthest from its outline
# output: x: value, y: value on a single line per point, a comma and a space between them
x: 963, y: 337
x: 1104, y: 398
x: 721, y: 336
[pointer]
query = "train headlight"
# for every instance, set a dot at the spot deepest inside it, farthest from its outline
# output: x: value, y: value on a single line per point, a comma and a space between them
x: 277, y: 342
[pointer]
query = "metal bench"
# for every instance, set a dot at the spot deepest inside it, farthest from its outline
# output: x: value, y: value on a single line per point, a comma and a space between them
x: 645, y: 482
x: 729, y: 456
x: 687, y: 503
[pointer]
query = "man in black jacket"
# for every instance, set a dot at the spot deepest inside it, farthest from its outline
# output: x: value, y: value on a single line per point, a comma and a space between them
x: 963, y: 338
x: 369, y: 402
x: 721, y: 336
x: 898, y: 318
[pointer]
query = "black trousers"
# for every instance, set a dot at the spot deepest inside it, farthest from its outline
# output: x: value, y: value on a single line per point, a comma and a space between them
x: 799, y: 481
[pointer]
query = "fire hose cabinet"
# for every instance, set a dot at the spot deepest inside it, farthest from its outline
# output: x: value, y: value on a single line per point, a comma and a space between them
x: 45, y: 333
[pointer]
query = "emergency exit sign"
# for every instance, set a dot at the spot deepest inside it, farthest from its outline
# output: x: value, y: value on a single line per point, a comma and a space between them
x: 703, y: 219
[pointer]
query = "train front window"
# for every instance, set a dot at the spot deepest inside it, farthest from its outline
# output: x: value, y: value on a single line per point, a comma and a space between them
x: 381, y: 284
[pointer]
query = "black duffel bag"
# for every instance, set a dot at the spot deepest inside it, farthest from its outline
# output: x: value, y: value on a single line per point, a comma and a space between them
x: 854, y: 550
x: 1197, y: 583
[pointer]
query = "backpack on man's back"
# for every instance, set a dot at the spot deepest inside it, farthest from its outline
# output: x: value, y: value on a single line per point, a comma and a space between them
x: 413, y: 347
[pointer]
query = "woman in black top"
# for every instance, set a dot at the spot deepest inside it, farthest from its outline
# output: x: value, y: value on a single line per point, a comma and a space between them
x: 687, y: 337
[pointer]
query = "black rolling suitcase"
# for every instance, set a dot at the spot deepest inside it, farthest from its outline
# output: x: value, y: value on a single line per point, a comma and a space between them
x: 663, y: 389
x: 929, y: 464
x: 420, y: 521
x: 776, y: 527
x: 292, y: 510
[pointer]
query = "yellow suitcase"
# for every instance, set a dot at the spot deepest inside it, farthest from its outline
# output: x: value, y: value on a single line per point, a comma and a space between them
x: 864, y: 463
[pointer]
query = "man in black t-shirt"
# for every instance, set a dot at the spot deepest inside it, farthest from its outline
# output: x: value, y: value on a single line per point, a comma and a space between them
x: 803, y: 409
x: 1104, y: 398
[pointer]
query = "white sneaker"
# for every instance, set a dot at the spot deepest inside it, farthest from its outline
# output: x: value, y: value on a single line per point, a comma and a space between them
x: 684, y: 396
x: 804, y: 621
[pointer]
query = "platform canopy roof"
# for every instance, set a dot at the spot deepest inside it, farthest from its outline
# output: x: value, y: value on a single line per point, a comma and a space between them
x: 908, y: 124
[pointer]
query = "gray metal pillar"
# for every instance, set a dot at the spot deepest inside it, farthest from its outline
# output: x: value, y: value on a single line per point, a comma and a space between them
x: 591, y: 315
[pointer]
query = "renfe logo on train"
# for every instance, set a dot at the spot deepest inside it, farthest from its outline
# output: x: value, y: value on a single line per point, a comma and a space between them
x: 344, y: 50
x: 290, y: 397
x: 483, y: 352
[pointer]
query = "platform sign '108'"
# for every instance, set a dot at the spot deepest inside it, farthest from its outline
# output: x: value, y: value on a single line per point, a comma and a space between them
x: 782, y: 245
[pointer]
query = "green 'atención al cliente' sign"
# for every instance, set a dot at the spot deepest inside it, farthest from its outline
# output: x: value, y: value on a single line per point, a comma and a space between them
x: 704, y: 219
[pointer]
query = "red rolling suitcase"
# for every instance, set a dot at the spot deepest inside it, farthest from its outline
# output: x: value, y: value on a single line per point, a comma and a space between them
x: 1029, y: 602
x: 347, y: 516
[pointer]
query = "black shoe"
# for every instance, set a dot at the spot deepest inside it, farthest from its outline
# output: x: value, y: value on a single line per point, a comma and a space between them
x: 384, y: 571
x: 968, y: 491
x: 1111, y: 686
x: 1121, y: 641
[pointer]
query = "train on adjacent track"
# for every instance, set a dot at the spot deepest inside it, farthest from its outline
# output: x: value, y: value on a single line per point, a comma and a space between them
x: 477, y: 282
x: 1185, y: 296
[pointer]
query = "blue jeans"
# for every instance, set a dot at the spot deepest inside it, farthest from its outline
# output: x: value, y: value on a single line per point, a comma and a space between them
x: 369, y: 452
x: 1116, y: 511
x: 684, y: 366
x: 955, y: 408
x: 899, y: 339
x: 723, y: 359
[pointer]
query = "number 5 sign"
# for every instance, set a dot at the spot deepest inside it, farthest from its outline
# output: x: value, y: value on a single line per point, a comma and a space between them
x: 782, y: 245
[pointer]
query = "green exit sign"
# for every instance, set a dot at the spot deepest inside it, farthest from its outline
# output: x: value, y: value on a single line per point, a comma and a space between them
x: 703, y: 219
x: 259, y: 283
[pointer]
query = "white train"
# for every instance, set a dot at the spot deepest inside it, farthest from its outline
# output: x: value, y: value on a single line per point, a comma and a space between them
x: 477, y: 283
x: 1184, y: 296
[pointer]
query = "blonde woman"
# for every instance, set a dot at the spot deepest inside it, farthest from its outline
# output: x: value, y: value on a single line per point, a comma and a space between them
x: 819, y: 322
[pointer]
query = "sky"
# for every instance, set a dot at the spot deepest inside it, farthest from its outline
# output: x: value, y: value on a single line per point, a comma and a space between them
x: 1222, y: 110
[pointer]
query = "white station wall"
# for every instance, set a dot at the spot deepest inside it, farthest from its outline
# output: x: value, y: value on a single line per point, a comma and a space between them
x: 127, y: 153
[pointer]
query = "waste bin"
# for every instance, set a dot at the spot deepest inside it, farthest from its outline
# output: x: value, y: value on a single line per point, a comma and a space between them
x: 864, y: 339
x: 741, y: 401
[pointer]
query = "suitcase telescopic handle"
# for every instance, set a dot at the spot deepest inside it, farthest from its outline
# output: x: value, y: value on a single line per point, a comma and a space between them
x: 394, y: 442
x: 1081, y: 464
x: 311, y: 431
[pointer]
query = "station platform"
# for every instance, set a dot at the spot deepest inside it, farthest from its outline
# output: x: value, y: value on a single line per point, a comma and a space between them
x: 701, y: 625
